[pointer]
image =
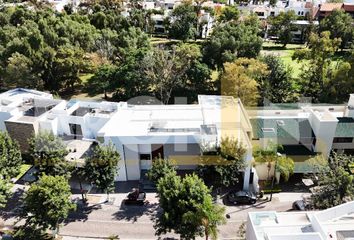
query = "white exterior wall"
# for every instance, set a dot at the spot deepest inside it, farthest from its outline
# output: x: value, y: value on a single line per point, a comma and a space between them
x: 3, y: 117
x: 324, y: 131
x: 132, y: 161
x: 121, y: 171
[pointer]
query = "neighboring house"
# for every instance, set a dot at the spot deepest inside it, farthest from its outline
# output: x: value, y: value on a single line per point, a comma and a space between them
x: 336, y: 223
x: 326, y: 9
x: 305, y: 130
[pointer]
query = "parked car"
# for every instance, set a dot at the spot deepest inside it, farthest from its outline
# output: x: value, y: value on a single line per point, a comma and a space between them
x: 241, y: 197
x: 135, y: 197
x: 301, y: 205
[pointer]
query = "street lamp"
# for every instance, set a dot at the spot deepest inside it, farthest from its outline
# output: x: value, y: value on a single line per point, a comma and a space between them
x: 275, y: 169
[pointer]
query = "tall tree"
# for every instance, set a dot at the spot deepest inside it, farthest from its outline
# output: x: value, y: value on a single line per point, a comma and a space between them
x: 239, y: 79
x: 340, y: 25
x: 321, y: 49
x: 183, y: 22
x: 335, y: 184
x: 228, y: 14
x: 282, y: 26
x: 48, y: 153
x: 102, y: 166
x: 277, y: 86
x: 47, y: 202
x: 232, y: 40
x: 187, y: 207
x: 10, y: 157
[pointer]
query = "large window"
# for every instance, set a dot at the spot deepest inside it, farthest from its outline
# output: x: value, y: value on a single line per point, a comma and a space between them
x: 75, y: 129
x: 342, y: 140
x: 145, y: 156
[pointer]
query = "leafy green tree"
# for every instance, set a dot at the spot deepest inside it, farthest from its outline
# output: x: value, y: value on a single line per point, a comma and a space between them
x: 10, y: 157
x: 48, y: 153
x: 281, y: 26
x: 187, y: 207
x: 102, y: 166
x: 19, y: 73
x: 102, y: 81
x: 228, y: 14
x: 223, y: 164
x: 174, y: 62
x: 47, y: 202
x: 232, y: 40
x: 4, y: 192
x: 160, y: 167
x: 240, y: 79
x: 317, y: 71
x: 269, y: 155
x: 183, y: 22
x: 277, y: 86
x: 335, y: 184
x: 339, y: 24
x: 341, y: 82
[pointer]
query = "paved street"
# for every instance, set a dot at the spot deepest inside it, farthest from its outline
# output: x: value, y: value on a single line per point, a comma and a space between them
x: 135, y: 222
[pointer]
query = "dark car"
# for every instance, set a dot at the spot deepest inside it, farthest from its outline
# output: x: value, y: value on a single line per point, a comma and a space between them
x: 241, y: 197
x: 135, y: 197
x: 301, y: 205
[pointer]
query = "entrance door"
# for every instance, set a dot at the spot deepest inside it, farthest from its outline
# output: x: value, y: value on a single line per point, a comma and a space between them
x: 157, y: 151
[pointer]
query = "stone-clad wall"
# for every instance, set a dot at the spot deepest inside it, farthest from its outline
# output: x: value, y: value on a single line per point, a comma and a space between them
x: 21, y: 132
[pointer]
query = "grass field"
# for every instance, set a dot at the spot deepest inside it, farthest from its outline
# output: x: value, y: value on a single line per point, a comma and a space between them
x: 286, y: 53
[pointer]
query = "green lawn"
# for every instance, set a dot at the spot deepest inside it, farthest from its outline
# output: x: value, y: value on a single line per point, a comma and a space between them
x: 23, y: 169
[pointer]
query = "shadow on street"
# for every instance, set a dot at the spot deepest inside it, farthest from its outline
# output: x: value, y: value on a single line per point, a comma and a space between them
x: 133, y: 213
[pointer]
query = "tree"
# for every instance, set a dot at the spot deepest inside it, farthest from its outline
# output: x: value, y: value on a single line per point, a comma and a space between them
x: 341, y: 82
x: 4, y: 192
x: 269, y: 155
x: 166, y: 69
x: 183, y: 22
x: 160, y: 167
x: 228, y: 14
x: 321, y: 49
x: 223, y: 164
x: 339, y: 24
x: 239, y: 79
x: 19, y: 73
x: 48, y: 153
x: 278, y: 85
x: 187, y: 207
x: 10, y: 157
x: 233, y: 40
x: 47, y: 202
x: 281, y: 26
x: 335, y: 184
x: 102, y: 81
x: 102, y: 166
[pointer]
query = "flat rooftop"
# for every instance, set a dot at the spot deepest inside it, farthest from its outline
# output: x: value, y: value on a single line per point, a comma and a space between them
x: 333, y: 223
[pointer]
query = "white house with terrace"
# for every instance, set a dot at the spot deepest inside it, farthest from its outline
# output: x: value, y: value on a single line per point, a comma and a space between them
x: 139, y: 132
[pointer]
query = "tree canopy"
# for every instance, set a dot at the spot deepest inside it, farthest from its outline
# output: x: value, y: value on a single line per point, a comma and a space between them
x: 48, y: 153
x: 188, y: 207
x: 101, y: 167
x: 10, y: 157
x: 47, y: 202
x: 240, y: 79
x: 232, y: 40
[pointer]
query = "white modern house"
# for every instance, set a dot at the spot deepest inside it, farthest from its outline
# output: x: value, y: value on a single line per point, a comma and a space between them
x: 335, y: 223
x: 139, y: 132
